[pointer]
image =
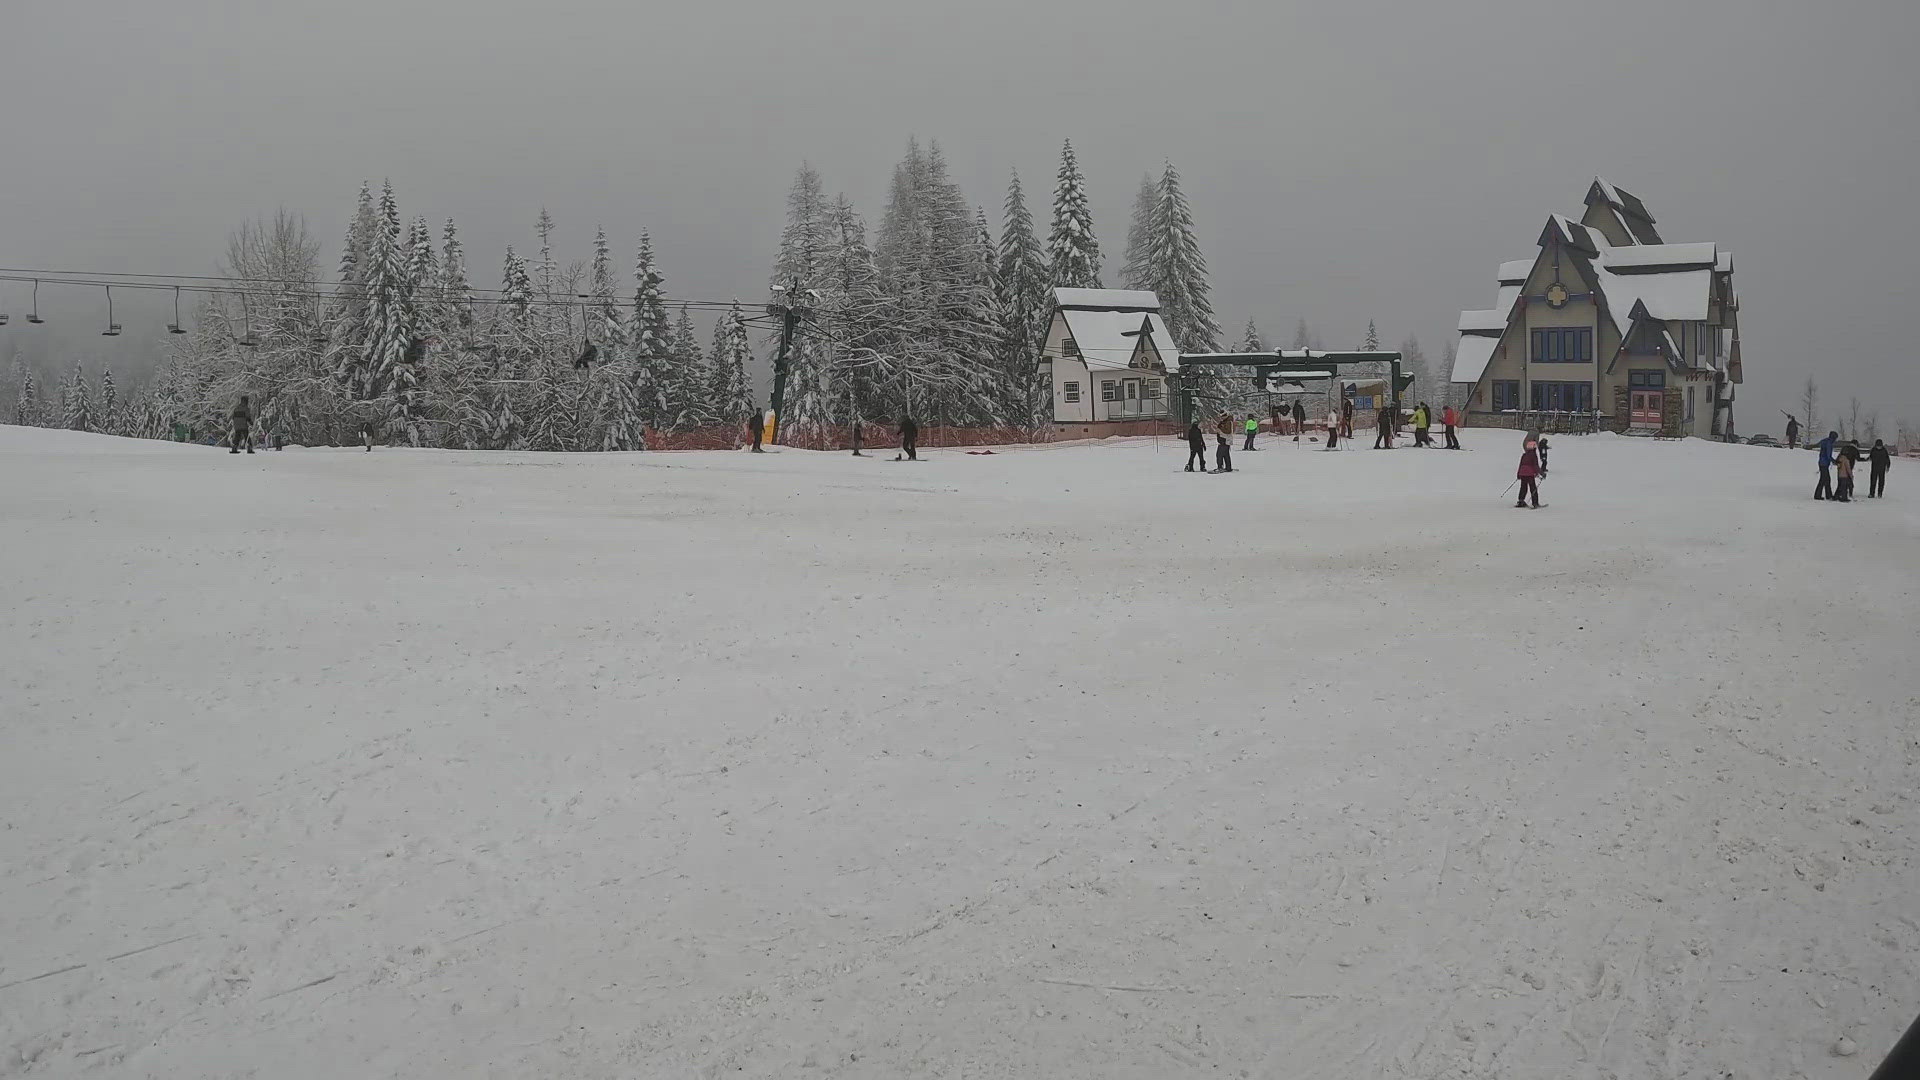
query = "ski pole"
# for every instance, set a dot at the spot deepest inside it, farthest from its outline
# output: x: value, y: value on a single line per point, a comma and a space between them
x: 1510, y: 487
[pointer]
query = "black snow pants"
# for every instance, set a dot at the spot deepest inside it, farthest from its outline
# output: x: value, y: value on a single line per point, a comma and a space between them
x: 1223, y: 455
x: 1197, y: 452
x: 1824, y: 490
x: 1529, y: 488
x: 1877, y: 484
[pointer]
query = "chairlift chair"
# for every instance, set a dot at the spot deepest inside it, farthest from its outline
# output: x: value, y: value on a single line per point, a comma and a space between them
x: 113, y: 328
x: 174, y: 327
x: 34, y: 316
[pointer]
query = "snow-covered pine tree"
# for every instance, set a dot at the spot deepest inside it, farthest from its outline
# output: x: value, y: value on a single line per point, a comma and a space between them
x: 1026, y: 309
x: 408, y: 411
x: 456, y: 296
x: 727, y: 385
x: 651, y: 336
x: 76, y: 403
x: 544, y: 270
x: 1177, y: 271
x: 1074, y: 250
x: 799, y: 267
x: 1251, y: 341
x: 109, y: 418
x: 389, y: 316
x: 605, y: 329
x: 1372, y: 344
x: 963, y: 386
x: 514, y: 356
x: 1449, y: 391
x: 1138, y: 271
x: 1302, y: 338
x: 687, y: 400
x: 855, y: 335
x: 26, y: 402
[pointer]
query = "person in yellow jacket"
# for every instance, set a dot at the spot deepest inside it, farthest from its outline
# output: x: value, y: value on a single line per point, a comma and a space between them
x: 1422, y: 423
x: 1253, y: 428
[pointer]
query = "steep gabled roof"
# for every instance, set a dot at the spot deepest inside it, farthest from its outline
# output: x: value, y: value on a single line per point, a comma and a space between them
x: 1108, y: 340
x: 1633, y: 213
x: 1471, y: 356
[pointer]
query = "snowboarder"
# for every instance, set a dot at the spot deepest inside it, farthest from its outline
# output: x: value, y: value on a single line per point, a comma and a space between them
x: 1824, y: 489
x: 1793, y: 431
x: 1879, y: 460
x: 1452, y: 419
x: 1346, y: 418
x: 1422, y: 424
x: 1196, y: 447
x: 1299, y: 418
x: 242, y: 417
x: 1253, y: 428
x: 909, y: 438
x: 1223, y: 444
x: 1529, y: 475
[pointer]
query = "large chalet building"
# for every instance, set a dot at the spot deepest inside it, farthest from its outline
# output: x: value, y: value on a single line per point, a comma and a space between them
x: 1608, y: 323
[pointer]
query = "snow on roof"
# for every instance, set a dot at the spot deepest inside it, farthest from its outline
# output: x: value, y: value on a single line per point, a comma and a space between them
x: 1677, y: 294
x: 1724, y: 264
x: 1107, y: 299
x: 1515, y: 271
x: 1509, y: 295
x: 1487, y: 319
x: 1107, y: 340
x: 1627, y: 260
x: 1607, y: 192
x: 1470, y: 360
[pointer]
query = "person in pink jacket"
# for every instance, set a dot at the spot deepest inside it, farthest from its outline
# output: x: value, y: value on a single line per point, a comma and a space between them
x: 1529, y: 474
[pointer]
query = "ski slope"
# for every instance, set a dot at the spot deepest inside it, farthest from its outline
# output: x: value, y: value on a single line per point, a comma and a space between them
x: 1051, y: 763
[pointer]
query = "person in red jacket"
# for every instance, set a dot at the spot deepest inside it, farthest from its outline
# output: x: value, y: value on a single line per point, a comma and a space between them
x: 1529, y: 475
x: 1451, y: 419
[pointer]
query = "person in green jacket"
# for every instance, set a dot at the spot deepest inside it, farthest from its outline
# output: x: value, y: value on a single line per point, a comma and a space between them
x: 1422, y: 423
x: 1253, y: 428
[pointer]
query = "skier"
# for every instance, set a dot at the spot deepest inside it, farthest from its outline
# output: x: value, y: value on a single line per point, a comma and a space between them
x: 1824, y: 489
x: 1422, y: 423
x: 1333, y: 429
x: 1253, y: 428
x: 1529, y: 475
x: 1196, y: 447
x: 909, y: 438
x: 1223, y: 444
x: 1346, y: 418
x: 242, y: 417
x: 1793, y: 431
x: 1879, y: 460
x: 754, y: 430
x: 1452, y: 419
x: 1383, y: 439
x: 1299, y: 419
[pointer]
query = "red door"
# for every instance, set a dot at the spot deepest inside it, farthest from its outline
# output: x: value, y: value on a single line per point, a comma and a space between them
x: 1645, y: 407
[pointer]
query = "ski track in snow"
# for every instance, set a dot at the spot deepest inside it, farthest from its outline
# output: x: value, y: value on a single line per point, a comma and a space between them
x: 1066, y: 764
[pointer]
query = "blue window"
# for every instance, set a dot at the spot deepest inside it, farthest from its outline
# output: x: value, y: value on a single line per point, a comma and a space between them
x: 1646, y: 380
x: 1563, y: 396
x: 1563, y: 345
x: 1506, y: 394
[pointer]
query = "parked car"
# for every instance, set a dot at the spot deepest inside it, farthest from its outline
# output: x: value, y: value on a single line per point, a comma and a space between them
x: 1762, y: 440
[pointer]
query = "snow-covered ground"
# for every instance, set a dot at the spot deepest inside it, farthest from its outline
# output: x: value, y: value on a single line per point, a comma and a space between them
x: 1051, y: 763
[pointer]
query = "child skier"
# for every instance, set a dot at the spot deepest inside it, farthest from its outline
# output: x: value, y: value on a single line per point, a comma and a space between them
x: 1529, y: 475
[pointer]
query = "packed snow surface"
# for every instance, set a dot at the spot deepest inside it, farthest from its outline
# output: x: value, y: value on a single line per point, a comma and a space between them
x: 1049, y: 763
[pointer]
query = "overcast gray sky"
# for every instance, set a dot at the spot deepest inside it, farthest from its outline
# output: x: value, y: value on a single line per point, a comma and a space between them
x: 1346, y: 160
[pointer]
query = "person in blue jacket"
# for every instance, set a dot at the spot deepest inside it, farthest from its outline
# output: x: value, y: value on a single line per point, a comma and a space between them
x: 1825, y: 488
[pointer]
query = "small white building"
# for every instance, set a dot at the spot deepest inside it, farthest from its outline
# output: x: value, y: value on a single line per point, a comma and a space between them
x: 1110, y: 354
